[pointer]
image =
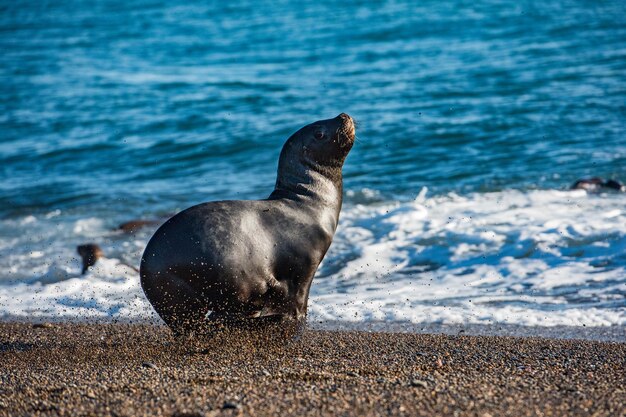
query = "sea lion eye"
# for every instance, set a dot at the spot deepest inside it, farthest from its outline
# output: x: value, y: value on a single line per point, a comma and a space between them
x: 319, y: 135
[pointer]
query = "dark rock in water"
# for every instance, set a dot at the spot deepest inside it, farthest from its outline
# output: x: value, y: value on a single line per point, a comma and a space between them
x: 134, y: 225
x: 612, y: 184
x: 597, y: 184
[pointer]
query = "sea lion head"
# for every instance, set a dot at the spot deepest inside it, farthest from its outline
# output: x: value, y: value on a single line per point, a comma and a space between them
x: 327, y: 142
x: 323, y: 144
x: 315, y: 151
x: 89, y: 253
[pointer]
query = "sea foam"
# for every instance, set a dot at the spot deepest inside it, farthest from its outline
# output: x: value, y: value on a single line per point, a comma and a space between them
x: 540, y: 257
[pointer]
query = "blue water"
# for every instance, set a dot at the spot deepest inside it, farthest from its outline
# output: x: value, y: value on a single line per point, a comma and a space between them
x: 117, y: 110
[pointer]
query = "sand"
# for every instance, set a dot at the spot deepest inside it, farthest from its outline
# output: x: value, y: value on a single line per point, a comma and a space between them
x: 137, y: 370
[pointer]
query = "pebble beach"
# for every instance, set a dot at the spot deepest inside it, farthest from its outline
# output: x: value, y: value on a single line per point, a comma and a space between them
x: 56, y: 369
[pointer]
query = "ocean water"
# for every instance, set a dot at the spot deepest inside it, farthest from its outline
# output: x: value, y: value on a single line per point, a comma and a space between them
x: 474, y: 118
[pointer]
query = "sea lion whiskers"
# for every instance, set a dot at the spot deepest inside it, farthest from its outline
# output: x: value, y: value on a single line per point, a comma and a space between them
x: 345, y: 132
x: 357, y: 127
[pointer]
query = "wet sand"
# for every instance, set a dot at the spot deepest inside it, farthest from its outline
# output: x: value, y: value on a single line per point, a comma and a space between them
x: 129, y: 370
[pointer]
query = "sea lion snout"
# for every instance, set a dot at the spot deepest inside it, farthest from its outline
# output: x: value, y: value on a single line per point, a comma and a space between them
x: 344, y: 116
x: 346, y: 130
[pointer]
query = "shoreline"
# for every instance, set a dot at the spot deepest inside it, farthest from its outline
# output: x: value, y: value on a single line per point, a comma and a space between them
x: 592, y: 333
x: 612, y: 333
x: 139, y: 369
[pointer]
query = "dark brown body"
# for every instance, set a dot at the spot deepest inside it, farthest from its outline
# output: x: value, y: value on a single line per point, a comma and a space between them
x: 241, y: 260
x: 89, y: 253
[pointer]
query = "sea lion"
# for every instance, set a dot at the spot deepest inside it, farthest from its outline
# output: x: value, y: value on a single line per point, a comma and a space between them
x: 90, y: 253
x: 597, y: 184
x: 243, y: 260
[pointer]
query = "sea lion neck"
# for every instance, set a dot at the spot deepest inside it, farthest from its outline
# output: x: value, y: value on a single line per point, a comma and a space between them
x: 300, y: 178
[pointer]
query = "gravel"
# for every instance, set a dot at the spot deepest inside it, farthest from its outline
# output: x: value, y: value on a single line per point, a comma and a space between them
x: 140, y: 370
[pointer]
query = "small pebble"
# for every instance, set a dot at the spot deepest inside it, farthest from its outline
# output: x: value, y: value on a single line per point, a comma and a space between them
x: 187, y: 414
x: 479, y: 375
x: 418, y: 383
x: 230, y: 406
